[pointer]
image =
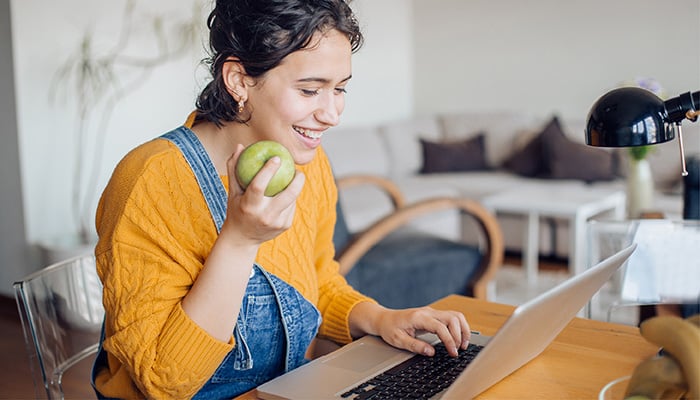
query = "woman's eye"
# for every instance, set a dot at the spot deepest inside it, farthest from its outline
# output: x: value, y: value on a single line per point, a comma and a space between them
x: 315, y: 92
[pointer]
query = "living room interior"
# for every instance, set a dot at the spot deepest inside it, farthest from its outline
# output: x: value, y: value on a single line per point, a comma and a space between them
x: 544, y: 59
x: 421, y: 59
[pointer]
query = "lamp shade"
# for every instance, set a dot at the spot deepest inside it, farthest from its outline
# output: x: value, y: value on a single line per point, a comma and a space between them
x: 628, y: 117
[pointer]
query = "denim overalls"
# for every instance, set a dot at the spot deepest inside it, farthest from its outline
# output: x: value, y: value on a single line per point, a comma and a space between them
x: 276, y: 323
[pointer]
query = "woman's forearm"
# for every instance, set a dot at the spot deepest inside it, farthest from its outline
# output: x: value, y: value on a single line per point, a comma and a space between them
x: 215, y: 298
x: 363, y: 319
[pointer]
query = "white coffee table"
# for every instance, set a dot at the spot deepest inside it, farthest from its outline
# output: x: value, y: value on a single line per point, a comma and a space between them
x: 576, y: 206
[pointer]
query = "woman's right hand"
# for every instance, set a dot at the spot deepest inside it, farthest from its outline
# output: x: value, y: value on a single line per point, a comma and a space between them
x: 253, y: 217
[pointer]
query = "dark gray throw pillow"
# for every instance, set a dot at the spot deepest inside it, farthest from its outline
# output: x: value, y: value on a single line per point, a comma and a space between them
x: 528, y: 161
x: 550, y: 154
x: 567, y: 159
x: 454, y: 156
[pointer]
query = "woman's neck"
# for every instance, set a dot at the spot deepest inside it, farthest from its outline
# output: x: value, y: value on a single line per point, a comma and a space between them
x: 219, y: 142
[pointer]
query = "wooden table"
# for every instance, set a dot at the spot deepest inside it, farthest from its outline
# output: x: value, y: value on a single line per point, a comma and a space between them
x: 582, y: 359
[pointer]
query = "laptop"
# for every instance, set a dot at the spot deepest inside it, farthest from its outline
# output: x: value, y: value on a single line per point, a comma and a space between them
x: 525, y: 334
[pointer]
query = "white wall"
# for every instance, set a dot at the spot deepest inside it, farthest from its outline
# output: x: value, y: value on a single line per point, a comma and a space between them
x: 45, y: 34
x: 548, y: 56
x: 13, y: 250
x: 382, y: 85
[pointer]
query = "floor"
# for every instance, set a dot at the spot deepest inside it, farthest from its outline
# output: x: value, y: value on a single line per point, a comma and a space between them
x: 511, y: 289
x: 15, y: 382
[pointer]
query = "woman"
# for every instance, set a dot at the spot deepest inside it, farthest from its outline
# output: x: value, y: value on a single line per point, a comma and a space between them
x: 210, y: 290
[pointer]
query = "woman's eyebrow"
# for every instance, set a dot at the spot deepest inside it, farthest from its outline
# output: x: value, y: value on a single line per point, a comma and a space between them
x: 324, y: 81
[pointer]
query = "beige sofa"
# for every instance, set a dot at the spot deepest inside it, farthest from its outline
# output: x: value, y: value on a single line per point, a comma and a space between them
x: 397, y: 150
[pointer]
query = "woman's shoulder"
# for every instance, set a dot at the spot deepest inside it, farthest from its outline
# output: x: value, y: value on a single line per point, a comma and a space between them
x: 147, y: 166
x: 157, y: 154
x: 156, y: 149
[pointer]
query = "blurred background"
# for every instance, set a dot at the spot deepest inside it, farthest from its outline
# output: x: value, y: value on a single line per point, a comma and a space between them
x: 140, y: 64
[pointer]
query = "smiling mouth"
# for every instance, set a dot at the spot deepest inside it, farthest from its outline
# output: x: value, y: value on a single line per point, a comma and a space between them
x: 308, y: 133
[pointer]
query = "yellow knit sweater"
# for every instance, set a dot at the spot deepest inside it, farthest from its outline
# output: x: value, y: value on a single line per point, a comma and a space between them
x: 155, y: 232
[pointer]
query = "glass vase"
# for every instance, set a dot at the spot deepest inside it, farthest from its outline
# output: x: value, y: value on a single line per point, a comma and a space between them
x: 640, y: 188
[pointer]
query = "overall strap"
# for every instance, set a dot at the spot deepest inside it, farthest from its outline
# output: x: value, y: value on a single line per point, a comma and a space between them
x: 303, y: 316
x: 204, y: 171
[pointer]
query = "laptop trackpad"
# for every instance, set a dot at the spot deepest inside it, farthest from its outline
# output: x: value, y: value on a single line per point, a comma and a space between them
x: 365, y: 356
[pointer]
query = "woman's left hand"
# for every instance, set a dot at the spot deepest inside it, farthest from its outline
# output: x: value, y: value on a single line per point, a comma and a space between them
x: 400, y: 327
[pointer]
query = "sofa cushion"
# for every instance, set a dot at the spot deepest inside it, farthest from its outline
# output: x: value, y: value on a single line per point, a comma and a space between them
x: 453, y: 156
x: 363, y: 205
x: 501, y: 129
x: 419, y: 187
x: 402, y: 139
x: 412, y: 269
x: 358, y: 150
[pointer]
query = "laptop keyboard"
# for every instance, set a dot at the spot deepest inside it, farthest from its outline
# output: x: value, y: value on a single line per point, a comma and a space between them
x: 419, y: 377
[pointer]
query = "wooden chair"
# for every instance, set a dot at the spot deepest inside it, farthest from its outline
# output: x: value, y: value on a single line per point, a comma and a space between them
x: 489, y: 251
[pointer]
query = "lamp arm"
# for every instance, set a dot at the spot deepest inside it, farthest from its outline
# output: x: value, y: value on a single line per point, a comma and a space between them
x: 686, y: 105
x: 692, y: 115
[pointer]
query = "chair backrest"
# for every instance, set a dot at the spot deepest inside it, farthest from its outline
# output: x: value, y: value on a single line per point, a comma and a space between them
x: 61, y: 311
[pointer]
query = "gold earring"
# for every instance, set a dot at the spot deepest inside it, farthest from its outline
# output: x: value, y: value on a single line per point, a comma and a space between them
x: 240, y: 101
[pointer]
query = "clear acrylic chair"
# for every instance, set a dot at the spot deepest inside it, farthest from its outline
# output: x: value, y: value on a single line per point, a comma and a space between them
x: 61, y: 311
x: 667, y: 276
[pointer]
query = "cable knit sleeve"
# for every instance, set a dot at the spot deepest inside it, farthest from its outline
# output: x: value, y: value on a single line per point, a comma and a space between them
x: 155, y: 233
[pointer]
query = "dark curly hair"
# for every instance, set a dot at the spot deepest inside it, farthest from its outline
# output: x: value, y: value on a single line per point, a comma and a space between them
x: 260, y: 33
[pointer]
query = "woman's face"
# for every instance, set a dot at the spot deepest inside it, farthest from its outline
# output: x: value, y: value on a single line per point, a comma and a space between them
x: 295, y: 102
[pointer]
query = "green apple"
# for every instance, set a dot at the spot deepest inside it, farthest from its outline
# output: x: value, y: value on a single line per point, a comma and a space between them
x: 254, y: 157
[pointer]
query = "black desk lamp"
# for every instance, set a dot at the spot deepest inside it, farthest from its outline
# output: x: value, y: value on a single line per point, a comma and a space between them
x: 634, y: 116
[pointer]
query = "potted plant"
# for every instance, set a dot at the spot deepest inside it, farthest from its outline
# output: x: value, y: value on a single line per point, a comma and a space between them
x: 95, y: 80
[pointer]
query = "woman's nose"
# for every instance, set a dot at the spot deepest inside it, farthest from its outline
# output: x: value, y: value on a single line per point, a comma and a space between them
x: 329, y: 109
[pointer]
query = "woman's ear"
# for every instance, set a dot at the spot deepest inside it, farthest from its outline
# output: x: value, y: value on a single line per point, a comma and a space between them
x: 235, y: 79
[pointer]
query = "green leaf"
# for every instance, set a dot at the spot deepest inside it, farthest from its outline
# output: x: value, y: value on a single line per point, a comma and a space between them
x: 639, y: 152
